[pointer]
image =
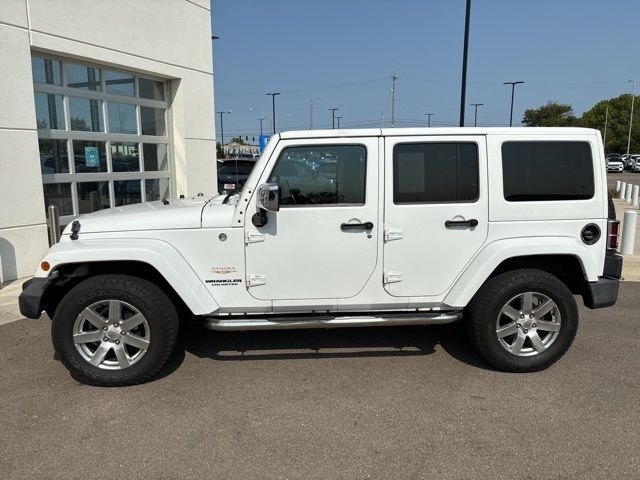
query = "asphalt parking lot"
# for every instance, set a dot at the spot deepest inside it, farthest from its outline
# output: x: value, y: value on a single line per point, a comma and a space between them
x: 357, y: 403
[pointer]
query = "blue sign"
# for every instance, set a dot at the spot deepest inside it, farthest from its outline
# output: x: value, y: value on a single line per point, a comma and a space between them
x: 91, y: 156
x: 264, y: 139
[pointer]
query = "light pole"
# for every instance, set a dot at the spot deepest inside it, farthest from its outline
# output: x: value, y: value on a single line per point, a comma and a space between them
x: 463, y: 89
x: 261, y: 120
x: 311, y: 111
x: 273, y: 108
x: 222, y: 128
x: 338, y: 118
x: 633, y: 98
x: 333, y: 117
x: 475, y: 114
x: 513, y: 88
x: 428, y: 115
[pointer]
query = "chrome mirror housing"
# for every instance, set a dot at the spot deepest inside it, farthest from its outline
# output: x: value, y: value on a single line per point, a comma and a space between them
x: 269, y: 197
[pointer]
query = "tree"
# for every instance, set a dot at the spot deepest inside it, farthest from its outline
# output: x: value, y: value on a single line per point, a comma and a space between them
x: 552, y: 114
x: 237, y: 140
x: 617, y: 123
x: 219, y: 151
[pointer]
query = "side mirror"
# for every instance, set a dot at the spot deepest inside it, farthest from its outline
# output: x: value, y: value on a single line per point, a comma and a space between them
x: 269, y: 197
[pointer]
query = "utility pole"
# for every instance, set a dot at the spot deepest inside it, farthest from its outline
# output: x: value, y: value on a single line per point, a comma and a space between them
x: 222, y: 128
x: 428, y: 115
x: 338, y: 118
x: 273, y: 108
x: 260, y: 120
x: 333, y: 117
x: 606, y: 118
x: 633, y: 100
x: 513, y: 88
x: 463, y: 88
x: 393, y: 99
x: 475, y: 114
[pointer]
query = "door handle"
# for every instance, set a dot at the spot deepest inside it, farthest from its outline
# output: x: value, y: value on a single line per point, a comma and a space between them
x: 356, y: 226
x: 472, y: 222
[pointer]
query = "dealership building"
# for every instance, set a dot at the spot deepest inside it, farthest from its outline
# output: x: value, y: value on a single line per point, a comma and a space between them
x: 102, y: 104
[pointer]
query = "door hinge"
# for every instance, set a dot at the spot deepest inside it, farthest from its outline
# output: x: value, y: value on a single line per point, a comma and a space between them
x: 391, y: 234
x: 253, y: 236
x: 254, y: 280
x: 392, y: 277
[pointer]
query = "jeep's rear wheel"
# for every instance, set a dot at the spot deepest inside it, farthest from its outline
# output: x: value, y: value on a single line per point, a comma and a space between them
x: 114, y: 330
x: 523, y: 321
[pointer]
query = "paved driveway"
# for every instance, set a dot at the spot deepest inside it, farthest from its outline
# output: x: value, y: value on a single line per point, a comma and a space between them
x: 369, y: 403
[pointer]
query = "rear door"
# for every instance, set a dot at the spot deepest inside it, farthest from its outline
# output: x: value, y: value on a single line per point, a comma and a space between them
x: 435, y: 210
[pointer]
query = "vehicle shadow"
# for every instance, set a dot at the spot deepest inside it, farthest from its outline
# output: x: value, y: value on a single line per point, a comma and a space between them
x: 327, y: 343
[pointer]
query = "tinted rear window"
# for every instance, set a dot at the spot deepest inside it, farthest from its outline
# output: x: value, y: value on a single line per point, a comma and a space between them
x: 539, y: 171
x: 435, y: 172
x: 230, y: 169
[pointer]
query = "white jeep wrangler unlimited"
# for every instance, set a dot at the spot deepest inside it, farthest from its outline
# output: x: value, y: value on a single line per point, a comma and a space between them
x: 347, y: 228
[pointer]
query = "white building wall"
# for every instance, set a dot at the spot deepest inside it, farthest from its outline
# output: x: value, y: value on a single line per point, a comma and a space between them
x: 163, y: 38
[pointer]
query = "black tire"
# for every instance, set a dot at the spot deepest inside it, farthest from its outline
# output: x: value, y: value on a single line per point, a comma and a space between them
x: 147, y: 298
x: 488, y: 302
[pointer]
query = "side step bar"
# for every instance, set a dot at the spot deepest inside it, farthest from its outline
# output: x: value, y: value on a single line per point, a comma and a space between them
x: 329, y: 321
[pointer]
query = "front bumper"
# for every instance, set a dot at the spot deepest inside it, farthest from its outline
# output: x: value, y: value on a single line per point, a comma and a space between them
x: 30, y: 300
x: 604, y: 292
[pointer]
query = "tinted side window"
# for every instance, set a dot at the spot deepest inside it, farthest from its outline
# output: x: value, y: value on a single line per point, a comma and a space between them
x: 435, y: 172
x: 538, y: 171
x: 302, y: 181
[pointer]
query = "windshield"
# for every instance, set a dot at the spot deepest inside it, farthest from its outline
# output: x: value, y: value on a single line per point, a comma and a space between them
x: 230, y: 169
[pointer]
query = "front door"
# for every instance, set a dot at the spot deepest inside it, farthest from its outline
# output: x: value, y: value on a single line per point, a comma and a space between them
x: 435, y: 209
x: 322, y: 242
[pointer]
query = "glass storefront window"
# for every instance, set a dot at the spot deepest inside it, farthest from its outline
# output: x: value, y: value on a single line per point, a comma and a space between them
x: 49, y: 111
x: 125, y: 157
x: 45, y: 70
x: 58, y: 194
x: 122, y: 118
x: 155, y: 157
x: 89, y: 156
x: 53, y: 156
x: 126, y: 192
x: 152, y: 121
x: 151, y: 89
x: 119, y: 83
x: 85, y: 114
x: 91, y: 147
x: 93, y: 196
x: 156, y: 189
x: 83, y: 76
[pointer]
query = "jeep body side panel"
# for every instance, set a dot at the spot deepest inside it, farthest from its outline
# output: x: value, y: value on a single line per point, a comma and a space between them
x: 158, y: 253
x: 499, y: 250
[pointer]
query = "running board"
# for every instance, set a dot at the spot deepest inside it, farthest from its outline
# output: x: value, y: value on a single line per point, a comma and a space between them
x: 328, y: 321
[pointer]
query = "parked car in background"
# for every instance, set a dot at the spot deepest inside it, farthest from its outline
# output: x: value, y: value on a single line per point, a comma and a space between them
x: 615, y: 164
x: 635, y: 163
x: 233, y: 173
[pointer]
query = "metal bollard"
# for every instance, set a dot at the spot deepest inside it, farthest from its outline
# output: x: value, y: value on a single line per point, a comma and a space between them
x: 629, y: 225
x: 627, y: 193
x: 623, y: 185
x: 635, y: 196
x: 618, y: 186
x: 53, y: 222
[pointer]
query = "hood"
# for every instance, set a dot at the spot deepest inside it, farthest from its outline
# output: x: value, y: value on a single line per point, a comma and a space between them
x: 178, y: 213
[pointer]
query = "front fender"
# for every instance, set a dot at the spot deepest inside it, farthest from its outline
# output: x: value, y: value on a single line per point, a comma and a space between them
x: 494, y: 253
x: 159, y: 254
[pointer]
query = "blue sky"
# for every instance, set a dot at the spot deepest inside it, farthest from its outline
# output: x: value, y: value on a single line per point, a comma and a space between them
x: 570, y: 51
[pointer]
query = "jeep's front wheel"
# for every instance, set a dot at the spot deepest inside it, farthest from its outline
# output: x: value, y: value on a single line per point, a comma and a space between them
x: 523, y: 321
x: 114, y: 330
